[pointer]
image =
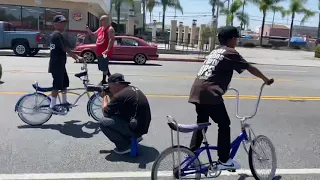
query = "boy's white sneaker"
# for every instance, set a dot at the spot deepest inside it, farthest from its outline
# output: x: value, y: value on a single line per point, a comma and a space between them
x: 229, y: 165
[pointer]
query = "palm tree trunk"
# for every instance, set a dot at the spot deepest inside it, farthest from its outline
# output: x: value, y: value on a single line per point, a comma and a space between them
x: 262, y: 27
x: 163, y: 18
x: 231, y: 23
x: 150, y: 16
x: 274, y: 13
x: 118, y: 19
x: 144, y: 15
x: 291, y: 26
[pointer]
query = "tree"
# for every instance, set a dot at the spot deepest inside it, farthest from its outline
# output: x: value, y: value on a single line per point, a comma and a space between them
x: 296, y: 7
x: 214, y: 4
x: 278, y: 9
x: 150, y: 5
x: 235, y: 12
x: 117, y: 5
x: 265, y: 6
x: 169, y: 3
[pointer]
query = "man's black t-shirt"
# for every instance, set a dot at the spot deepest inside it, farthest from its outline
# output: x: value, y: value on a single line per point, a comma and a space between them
x: 58, y: 57
x: 124, y: 105
x: 215, y: 75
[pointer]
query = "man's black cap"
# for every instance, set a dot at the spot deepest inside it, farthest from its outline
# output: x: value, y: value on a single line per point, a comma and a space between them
x: 228, y: 32
x: 59, y: 19
x: 117, y: 78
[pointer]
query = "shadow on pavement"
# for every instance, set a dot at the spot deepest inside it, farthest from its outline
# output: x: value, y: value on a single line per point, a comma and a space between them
x: 245, y: 176
x: 69, y: 128
x: 36, y: 56
x: 1, y: 82
x: 146, y: 155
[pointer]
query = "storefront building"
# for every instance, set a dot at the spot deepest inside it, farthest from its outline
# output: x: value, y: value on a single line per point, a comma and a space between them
x: 37, y: 15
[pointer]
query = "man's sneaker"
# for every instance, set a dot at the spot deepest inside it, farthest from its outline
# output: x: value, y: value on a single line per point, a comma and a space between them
x: 229, y: 165
x: 54, y: 110
x: 121, y: 151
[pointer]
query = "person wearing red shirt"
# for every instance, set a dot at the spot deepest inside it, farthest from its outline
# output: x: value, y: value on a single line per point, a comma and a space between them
x: 104, y: 45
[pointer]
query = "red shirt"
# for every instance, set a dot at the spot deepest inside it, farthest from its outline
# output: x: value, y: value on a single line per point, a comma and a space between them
x: 103, y: 41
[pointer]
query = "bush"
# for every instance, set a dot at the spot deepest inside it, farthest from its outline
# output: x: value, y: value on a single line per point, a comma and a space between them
x: 317, y: 52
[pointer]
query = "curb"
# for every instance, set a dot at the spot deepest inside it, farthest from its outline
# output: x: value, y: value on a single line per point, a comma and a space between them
x: 180, y: 60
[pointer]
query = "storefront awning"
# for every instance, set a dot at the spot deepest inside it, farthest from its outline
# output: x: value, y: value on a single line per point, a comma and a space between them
x: 104, y: 4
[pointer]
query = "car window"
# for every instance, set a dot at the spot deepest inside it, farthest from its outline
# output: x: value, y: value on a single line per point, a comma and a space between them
x: 129, y: 42
x: 8, y: 27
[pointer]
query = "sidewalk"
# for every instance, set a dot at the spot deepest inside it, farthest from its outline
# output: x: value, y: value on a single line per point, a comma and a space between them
x: 253, y: 55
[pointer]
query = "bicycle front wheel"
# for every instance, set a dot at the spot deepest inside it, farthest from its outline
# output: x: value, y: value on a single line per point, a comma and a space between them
x: 33, y: 109
x: 262, y: 158
x: 172, y: 172
x: 94, y: 107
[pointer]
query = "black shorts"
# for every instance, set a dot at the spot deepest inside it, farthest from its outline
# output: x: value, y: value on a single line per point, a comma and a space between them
x: 103, y: 64
x: 60, y: 80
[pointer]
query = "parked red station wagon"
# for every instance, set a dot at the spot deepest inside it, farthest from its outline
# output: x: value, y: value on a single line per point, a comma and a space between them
x: 126, y: 48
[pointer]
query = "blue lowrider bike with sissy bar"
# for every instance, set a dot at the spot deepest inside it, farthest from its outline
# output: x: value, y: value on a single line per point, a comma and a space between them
x: 259, y: 148
x: 34, y: 110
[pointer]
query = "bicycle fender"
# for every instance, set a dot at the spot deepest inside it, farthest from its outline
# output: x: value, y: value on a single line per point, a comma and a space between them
x: 26, y: 95
x: 88, y: 104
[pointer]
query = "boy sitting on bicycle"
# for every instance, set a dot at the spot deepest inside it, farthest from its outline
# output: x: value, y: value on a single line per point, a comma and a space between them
x: 211, y: 83
x: 57, y: 64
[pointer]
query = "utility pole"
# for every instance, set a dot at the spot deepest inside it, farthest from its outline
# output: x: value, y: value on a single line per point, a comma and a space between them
x: 319, y: 21
x: 242, y: 24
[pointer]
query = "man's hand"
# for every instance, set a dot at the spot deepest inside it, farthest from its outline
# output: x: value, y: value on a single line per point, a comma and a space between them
x: 269, y: 81
x: 105, y: 103
x: 105, y: 52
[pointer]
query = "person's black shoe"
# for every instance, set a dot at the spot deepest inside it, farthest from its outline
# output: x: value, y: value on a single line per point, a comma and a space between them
x: 102, y: 83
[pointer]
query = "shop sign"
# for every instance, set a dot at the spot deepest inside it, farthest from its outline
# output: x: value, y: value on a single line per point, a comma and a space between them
x: 77, y: 16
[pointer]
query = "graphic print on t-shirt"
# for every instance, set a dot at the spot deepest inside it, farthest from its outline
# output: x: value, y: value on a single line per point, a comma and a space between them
x: 100, y: 39
x: 210, y: 64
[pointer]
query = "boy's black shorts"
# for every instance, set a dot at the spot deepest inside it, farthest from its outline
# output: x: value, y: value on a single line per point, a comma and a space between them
x: 60, y: 80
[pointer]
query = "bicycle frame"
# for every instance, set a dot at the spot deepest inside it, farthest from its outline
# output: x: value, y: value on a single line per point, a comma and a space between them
x: 234, y: 145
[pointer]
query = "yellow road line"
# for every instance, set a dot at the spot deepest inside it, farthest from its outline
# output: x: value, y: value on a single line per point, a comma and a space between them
x: 163, y: 76
x: 297, y: 98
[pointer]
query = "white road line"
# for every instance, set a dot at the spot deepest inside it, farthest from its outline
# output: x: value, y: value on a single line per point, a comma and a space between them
x: 138, y: 174
x: 282, y: 70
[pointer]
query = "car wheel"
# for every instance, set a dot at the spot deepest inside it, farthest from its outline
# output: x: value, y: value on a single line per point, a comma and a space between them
x: 33, y: 52
x: 89, y: 56
x: 21, y: 49
x: 140, y: 59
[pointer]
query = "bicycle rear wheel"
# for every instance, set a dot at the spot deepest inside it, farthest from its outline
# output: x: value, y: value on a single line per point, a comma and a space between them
x: 262, y: 151
x: 33, y: 109
x: 172, y: 172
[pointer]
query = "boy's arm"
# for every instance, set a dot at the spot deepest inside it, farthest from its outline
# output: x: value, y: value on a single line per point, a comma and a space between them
x: 256, y: 72
x: 63, y: 43
x: 239, y: 64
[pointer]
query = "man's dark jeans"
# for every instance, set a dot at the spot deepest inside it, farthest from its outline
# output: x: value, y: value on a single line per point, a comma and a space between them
x: 219, y: 115
x: 118, y: 131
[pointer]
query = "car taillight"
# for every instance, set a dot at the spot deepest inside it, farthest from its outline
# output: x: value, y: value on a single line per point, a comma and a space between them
x: 38, y: 38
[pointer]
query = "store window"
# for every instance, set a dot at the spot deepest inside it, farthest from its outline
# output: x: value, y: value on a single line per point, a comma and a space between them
x: 93, y: 22
x: 30, y: 17
x: 11, y: 14
x: 51, y: 12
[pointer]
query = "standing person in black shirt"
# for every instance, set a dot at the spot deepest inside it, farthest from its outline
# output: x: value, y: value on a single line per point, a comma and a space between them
x: 59, y: 46
x: 128, y: 113
x: 209, y: 86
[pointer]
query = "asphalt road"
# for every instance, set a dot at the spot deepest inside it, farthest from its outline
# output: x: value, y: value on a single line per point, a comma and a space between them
x: 69, y: 144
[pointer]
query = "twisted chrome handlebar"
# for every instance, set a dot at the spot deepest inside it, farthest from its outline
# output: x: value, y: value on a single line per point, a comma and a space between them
x: 256, y: 106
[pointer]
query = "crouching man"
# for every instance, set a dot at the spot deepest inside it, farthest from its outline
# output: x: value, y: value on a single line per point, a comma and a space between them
x: 127, y: 114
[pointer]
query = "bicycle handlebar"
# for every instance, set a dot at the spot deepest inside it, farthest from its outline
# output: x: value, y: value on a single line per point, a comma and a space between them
x: 257, y: 103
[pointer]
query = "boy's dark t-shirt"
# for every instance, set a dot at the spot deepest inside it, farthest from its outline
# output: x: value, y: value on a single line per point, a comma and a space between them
x: 58, y: 57
x: 214, y: 77
x: 124, y: 104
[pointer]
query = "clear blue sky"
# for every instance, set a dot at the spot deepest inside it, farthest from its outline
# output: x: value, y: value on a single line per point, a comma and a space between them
x: 201, y: 10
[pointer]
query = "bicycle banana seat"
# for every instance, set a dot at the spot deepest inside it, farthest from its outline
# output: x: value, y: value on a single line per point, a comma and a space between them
x: 81, y: 74
x: 184, y: 128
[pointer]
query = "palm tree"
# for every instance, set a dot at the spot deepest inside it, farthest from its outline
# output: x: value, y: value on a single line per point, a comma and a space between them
x: 235, y: 12
x: 265, y: 6
x: 150, y: 5
x: 277, y: 9
x: 169, y: 3
x: 296, y: 7
x: 117, y: 5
